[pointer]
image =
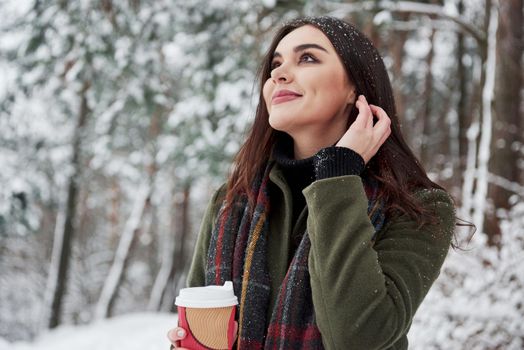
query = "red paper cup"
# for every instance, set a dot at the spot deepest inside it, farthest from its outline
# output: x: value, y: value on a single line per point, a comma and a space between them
x: 208, y: 316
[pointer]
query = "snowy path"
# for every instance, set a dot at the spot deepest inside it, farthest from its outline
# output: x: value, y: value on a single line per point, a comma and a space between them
x: 140, y: 331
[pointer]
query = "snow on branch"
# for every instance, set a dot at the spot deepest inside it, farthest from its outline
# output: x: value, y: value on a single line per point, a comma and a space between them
x: 506, y: 184
x: 407, y: 7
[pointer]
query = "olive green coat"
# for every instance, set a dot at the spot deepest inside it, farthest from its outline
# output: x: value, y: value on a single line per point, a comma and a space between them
x: 365, y: 295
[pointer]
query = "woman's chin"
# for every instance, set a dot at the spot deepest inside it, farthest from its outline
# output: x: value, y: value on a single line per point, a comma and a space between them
x: 281, y: 123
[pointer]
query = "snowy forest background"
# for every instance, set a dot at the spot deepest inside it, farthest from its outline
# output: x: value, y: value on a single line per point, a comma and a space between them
x: 119, y: 118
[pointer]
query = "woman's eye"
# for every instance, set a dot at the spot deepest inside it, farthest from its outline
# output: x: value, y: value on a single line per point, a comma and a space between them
x: 307, y: 57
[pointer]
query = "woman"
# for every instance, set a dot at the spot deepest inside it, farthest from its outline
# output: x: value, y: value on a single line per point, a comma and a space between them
x: 329, y: 227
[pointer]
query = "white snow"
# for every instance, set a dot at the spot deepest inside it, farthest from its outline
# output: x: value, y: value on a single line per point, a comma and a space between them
x: 139, y: 331
x: 476, y: 303
x: 269, y: 3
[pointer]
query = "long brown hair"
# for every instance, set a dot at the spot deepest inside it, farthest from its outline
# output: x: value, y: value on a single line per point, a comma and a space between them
x: 395, y: 167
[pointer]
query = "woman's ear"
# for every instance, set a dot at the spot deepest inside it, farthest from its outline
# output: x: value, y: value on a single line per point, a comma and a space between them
x: 353, y: 112
x: 351, y: 97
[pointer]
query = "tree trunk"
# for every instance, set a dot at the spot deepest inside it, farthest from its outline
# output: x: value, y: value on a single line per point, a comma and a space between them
x: 166, y: 239
x: 398, y: 41
x: 167, y: 249
x: 489, y: 66
x: 463, y: 113
x: 428, y: 131
x: 114, y: 214
x: 64, y: 227
x: 473, y: 131
x: 507, y: 116
x: 182, y: 230
x: 114, y: 277
x: 141, y: 208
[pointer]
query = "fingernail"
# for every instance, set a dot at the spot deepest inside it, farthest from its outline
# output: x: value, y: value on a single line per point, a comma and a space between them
x: 180, y: 333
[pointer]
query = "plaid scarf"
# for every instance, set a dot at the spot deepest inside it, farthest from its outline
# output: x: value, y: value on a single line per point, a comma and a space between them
x: 237, y: 252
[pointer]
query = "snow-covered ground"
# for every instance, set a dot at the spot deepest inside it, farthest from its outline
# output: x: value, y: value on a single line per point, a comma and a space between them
x: 139, y: 331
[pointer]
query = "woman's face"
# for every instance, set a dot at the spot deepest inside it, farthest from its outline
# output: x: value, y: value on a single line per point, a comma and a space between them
x: 308, y: 90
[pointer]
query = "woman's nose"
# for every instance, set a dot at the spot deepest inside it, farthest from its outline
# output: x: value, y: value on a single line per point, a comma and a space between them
x: 281, y: 74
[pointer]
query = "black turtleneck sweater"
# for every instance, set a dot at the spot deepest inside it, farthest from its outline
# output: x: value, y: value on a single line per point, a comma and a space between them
x: 300, y: 173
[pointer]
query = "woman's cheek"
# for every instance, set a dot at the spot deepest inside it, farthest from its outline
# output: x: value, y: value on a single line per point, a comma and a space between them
x: 267, y: 92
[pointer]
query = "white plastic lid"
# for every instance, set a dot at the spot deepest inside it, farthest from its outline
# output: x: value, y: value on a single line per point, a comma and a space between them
x: 206, y: 297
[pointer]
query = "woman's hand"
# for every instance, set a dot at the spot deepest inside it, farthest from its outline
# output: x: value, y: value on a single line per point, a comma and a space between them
x: 176, y: 334
x: 179, y: 333
x: 362, y: 136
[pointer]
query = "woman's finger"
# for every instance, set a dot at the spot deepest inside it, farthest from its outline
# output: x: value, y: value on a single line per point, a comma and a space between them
x: 383, y: 138
x: 382, y: 128
x: 384, y: 122
x: 369, y: 112
x: 365, y: 116
x: 175, y: 335
x: 379, y: 112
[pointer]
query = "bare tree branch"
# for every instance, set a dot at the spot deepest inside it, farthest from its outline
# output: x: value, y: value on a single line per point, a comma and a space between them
x: 407, y: 7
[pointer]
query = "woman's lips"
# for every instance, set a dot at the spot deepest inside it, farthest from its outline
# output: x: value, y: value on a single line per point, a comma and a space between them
x: 284, y: 96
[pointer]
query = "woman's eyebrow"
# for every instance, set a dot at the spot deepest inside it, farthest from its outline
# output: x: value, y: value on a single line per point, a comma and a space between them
x: 302, y: 48
x: 308, y: 46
